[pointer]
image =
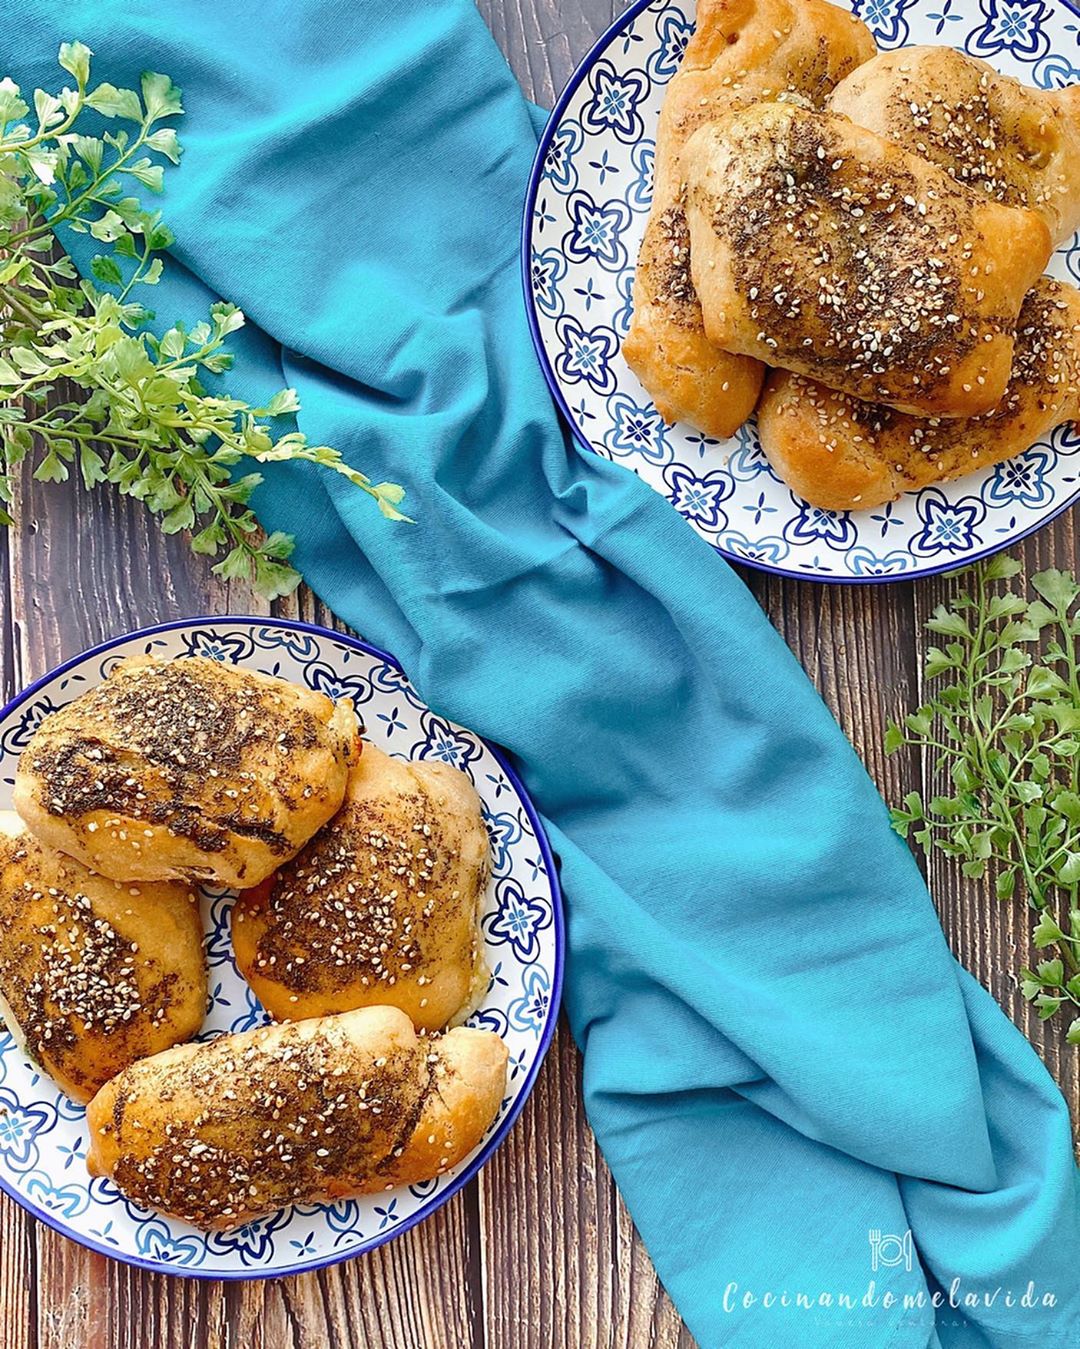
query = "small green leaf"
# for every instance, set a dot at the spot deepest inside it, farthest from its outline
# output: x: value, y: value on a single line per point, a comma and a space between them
x: 1072, y: 1035
x: 1014, y: 660
x: 129, y: 359
x: 1068, y: 873
x: 43, y: 163
x: 150, y: 175
x: 1046, y: 931
x: 112, y: 102
x: 235, y: 565
x: 1042, y: 682
x: 1057, y: 588
x: 274, y: 579
x: 106, y: 270
x: 921, y: 721
x: 90, y: 150
x: 278, y: 546
x: 164, y: 140
x: 91, y: 466
x: 937, y: 662
x: 209, y: 540
x: 161, y: 96
x: 226, y: 318
x: 1067, y: 803
x: 51, y: 469
x: 159, y: 236
x: 12, y: 106
x: 1001, y: 567
x: 48, y: 108
x: 1050, y: 972
x: 108, y: 227
x: 1066, y: 716
x: 75, y: 59
x: 282, y: 403
x: 28, y: 361
x: 1039, y: 616
x: 948, y: 623
x: 1006, y: 605
x: 178, y: 517
x: 173, y: 343
x: 1047, y: 1004
x: 1034, y: 817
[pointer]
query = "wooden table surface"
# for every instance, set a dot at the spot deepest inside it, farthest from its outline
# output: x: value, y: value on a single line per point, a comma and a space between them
x: 538, y: 1252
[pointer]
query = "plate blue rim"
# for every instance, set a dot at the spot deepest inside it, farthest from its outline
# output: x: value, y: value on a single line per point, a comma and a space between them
x: 536, y: 173
x: 559, y: 924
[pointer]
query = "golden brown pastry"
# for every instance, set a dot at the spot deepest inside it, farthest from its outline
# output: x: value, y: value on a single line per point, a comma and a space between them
x: 217, y: 1134
x: 382, y: 906
x: 842, y: 454
x: 93, y: 974
x: 742, y: 51
x: 828, y: 250
x: 1017, y: 144
x: 186, y: 769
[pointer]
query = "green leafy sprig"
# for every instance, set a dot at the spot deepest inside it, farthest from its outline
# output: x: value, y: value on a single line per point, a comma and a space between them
x: 1004, y: 726
x: 140, y: 417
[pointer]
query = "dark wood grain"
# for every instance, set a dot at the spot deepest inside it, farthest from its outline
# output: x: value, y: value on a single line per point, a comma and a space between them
x: 539, y: 1252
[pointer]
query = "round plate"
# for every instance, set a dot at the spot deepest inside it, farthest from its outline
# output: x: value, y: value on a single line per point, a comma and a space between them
x: 43, y: 1135
x: 585, y: 212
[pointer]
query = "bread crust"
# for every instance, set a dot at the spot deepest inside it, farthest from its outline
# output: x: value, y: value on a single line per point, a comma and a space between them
x: 1017, y: 144
x: 188, y: 769
x: 382, y: 906
x: 842, y: 454
x: 832, y: 252
x: 94, y: 974
x: 310, y: 1111
x: 742, y: 51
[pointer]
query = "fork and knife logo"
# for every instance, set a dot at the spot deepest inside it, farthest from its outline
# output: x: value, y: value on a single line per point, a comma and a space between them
x: 887, y: 1250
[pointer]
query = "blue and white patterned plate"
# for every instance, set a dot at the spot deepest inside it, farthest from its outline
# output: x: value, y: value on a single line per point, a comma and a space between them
x: 585, y: 212
x: 43, y: 1135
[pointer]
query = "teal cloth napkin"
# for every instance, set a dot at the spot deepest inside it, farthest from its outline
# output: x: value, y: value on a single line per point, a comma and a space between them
x: 781, y: 1057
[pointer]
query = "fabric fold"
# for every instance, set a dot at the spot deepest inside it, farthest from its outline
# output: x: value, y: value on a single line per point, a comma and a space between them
x: 781, y: 1057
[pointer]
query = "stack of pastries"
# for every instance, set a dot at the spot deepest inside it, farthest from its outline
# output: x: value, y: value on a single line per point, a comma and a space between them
x: 361, y: 886
x: 854, y: 244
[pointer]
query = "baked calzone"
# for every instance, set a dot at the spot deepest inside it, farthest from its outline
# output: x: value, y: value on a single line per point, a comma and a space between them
x: 190, y: 768
x: 821, y: 247
x: 742, y: 51
x: 843, y: 454
x: 220, y: 1133
x: 94, y: 974
x: 1016, y: 144
x: 382, y: 906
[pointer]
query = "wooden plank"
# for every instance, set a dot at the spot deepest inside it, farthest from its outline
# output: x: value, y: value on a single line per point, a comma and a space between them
x: 540, y: 1251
